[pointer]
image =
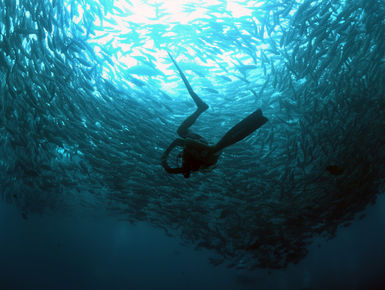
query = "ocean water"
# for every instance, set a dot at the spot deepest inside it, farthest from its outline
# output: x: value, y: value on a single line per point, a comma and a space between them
x: 90, y: 100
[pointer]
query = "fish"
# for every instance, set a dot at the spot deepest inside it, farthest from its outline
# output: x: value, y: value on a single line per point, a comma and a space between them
x: 76, y: 123
x: 225, y: 78
x: 210, y: 90
x: 144, y: 70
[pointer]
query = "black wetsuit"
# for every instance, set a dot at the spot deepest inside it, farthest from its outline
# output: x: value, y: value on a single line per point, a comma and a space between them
x: 197, y: 154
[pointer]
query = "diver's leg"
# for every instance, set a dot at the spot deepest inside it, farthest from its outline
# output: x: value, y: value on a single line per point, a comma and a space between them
x: 198, y: 101
x: 241, y: 130
x: 183, y: 129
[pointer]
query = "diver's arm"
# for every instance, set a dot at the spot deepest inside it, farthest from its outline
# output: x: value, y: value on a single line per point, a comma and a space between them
x: 175, y: 143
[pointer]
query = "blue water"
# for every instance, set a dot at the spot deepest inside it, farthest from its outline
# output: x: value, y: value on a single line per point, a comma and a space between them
x: 90, y: 100
x: 59, y: 252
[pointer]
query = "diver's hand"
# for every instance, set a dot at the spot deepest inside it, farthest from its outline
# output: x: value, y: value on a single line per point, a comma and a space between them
x: 175, y: 143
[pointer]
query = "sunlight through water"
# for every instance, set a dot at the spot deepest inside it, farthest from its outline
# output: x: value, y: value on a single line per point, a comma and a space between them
x: 115, y: 35
x: 90, y: 102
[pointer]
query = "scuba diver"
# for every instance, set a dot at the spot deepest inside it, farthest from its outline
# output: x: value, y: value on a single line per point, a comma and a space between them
x: 197, y: 154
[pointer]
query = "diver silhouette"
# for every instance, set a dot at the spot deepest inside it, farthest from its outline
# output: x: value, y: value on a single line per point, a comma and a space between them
x: 197, y: 154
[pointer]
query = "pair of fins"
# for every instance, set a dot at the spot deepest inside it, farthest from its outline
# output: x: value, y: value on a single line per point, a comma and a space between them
x: 240, y: 131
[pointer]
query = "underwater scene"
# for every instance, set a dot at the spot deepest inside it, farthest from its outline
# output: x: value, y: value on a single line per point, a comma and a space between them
x: 224, y: 144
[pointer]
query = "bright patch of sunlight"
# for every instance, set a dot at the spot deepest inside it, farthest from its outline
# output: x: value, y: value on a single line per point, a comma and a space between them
x: 127, y: 14
x: 177, y: 11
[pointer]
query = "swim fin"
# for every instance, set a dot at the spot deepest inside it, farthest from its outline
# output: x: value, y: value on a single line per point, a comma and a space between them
x: 241, y: 130
x: 198, y: 101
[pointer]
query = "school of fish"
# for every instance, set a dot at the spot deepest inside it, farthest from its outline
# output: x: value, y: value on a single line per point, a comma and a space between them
x: 78, y: 129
